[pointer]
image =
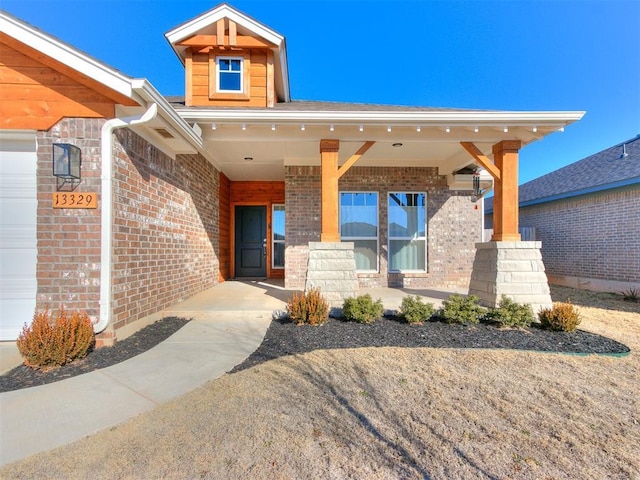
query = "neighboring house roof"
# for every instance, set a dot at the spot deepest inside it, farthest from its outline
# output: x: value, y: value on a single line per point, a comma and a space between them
x: 617, y: 166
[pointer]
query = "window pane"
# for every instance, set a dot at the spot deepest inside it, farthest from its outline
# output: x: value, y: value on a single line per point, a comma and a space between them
x: 223, y: 64
x: 278, y: 222
x: 235, y: 65
x: 366, y: 254
x: 406, y: 255
x: 229, y: 81
x: 278, y: 255
x: 407, y: 215
x: 359, y: 215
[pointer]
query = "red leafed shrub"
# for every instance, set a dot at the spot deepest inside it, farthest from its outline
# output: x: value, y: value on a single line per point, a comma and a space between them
x: 51, y: 342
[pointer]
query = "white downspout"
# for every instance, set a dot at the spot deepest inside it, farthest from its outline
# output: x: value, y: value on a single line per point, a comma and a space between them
x: 106, y: 248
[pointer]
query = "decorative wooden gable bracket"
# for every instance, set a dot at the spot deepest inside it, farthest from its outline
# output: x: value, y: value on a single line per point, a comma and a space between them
x: 331, y: 173
x: 504, y: 169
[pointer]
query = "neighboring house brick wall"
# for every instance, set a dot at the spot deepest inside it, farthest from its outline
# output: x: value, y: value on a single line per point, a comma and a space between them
x: 590, y: 236
x: 68, y: 268
x: 453, y: 224
x: 165, y: 228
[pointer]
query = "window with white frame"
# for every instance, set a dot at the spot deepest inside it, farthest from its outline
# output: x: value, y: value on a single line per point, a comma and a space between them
x: 229, y: 74
x: 407, y: 232
x: 277, y: 236
x: 359, y: 224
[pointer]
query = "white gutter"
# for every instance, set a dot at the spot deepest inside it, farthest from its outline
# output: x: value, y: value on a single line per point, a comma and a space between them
x: 106, y: 248
x: 426, y: 117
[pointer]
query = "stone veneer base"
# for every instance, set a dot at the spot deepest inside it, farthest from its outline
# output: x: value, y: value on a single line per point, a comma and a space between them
x: 332, y: 269
x: 514, y: 269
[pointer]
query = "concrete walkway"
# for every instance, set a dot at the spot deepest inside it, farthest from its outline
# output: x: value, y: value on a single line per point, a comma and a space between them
x: 230, y: 321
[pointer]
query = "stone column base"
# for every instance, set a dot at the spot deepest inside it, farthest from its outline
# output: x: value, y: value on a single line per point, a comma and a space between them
x: 514, y: 269
x: 332, y: 269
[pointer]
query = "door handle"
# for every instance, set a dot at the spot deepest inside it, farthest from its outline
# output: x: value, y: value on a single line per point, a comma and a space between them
x: 264, y: 247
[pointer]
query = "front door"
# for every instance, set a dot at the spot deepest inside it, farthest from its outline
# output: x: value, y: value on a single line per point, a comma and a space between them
x: 251, y: 241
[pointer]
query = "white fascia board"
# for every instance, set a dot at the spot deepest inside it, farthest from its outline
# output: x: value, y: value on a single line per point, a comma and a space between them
x: 65, y: 54
x: 383, y: 117
x: 146, y: 91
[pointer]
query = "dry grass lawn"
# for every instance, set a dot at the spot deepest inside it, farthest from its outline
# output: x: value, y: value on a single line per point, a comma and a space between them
x: 390, y: 413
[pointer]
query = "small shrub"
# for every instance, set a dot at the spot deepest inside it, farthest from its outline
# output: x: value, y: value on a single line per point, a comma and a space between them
x: 362, y: 309
x: 562, y: 317
x: 413, y: 310
x: 511, y: 314
x: 461, y: 309
x: 631, y: 295
x: 308, y: 308
x: 52, y: 342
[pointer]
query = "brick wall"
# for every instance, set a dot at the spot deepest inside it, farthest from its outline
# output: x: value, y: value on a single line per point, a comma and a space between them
x: 68, y: 269
x: 453, y: 223
x: 165, y: 228
x: 591, y: 236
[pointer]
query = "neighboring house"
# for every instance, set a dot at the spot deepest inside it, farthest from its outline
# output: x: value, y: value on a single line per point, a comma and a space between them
x: 587, y: 216
x: 235, y: 180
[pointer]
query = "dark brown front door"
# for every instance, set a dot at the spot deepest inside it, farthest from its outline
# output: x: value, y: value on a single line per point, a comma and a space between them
x: 251, y: 241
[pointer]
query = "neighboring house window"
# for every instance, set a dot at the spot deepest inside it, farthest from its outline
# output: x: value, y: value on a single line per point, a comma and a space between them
x: 230, y: 75
x: 277, y: 222
x: 407, y: 232
x: 359, y: 224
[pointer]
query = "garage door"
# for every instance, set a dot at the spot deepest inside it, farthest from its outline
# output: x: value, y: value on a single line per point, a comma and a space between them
x: 18, y: 249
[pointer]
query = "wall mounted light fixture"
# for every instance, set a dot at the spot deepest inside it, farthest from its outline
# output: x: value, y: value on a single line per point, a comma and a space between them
x: 67, y: 160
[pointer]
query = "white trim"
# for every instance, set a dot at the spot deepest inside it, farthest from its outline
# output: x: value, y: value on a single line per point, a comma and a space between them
x: 494, y: 119
x: 65, y: 54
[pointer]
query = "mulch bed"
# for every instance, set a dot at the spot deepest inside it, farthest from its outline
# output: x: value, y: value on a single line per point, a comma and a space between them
x: 146, y: 338
x: 285, y: 338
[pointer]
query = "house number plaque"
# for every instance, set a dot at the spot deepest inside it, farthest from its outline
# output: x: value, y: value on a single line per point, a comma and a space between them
x: 75, y: 200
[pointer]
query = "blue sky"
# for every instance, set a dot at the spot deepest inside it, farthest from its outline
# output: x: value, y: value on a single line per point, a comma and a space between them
x: 499, y: 55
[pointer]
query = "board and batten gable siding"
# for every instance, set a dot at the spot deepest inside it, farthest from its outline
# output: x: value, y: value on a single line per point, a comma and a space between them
x: 200, y: 81
x: 454, y: 224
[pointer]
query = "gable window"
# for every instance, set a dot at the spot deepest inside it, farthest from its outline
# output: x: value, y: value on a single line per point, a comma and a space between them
x: 229, y: 74
x: 407, y: 232
x: 277, y: 222
x: 359, y: 224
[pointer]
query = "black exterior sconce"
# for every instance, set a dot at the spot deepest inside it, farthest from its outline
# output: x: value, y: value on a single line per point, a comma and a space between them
x: 67, y: 160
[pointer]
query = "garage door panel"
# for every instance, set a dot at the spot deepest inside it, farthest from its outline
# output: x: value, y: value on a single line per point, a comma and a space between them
x: 18, y: 232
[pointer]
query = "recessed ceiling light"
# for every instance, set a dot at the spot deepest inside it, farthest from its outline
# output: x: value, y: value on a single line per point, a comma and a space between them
x: 396, y: 144
x: 248, y: 159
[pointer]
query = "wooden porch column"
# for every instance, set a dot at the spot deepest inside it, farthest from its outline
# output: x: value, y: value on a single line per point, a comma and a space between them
x: 329, y: 193
x: 505, y: 203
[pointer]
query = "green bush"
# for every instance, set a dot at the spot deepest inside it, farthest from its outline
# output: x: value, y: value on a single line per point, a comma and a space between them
x: 362, y: 309
x: 511, y: 314
x: 52, y: 342
x: 308, y: 308
x: 562, y: 317
x: 461, y: 309
x: 414, y: 310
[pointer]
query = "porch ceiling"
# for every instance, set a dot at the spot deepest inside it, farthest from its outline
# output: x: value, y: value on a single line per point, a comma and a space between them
x: 428, y: 140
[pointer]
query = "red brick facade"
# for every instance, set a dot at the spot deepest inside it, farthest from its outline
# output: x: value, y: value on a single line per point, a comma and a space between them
x: 454, y: 224
x: 68, y: 268
x: 165, y: 227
